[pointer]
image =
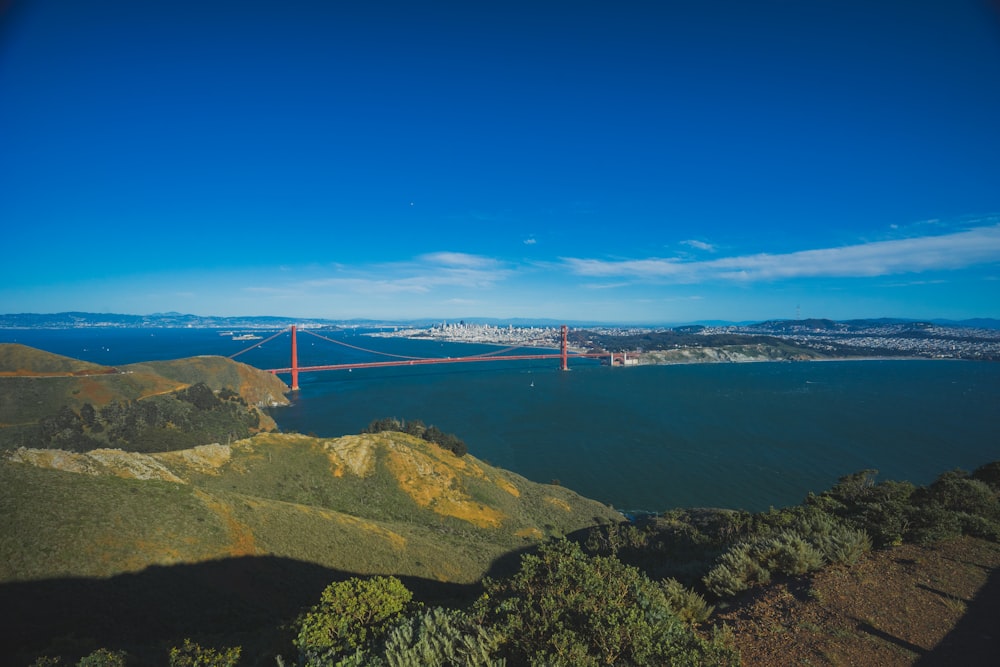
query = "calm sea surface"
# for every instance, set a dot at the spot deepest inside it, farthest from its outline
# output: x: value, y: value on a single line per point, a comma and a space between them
x: 654, y: 437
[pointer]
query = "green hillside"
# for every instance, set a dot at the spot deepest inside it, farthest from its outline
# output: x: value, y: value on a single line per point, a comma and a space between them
x: 16, y: 359
x: 44, y: 401
x: 374, y: 503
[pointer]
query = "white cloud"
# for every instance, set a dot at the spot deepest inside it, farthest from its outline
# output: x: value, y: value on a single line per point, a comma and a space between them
x: 424, y: 275
x: 530, y: 241
x: 699, y: 245
x: 881, y: 258
x: 458, y: 259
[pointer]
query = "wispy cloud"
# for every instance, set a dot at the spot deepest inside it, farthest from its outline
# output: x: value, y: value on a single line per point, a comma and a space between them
x: 423, y: 275
x: 457, y: 259
x: 880, y: 258
x: 530, y: 241
x: 699, y: 245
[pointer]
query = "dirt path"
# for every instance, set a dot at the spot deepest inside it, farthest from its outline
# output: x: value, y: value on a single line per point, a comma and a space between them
x: 907, y: 606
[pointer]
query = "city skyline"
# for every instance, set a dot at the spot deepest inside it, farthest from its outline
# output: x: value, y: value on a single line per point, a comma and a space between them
x: 642, y: 163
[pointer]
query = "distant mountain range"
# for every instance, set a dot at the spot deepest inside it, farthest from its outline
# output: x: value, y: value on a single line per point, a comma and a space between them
x: 72, y: 320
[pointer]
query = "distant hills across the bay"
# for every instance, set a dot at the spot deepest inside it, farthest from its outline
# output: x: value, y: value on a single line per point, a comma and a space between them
x: 74, y: 319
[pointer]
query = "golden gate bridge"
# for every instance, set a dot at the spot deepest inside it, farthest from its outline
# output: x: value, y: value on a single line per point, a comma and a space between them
x: 564, y: 355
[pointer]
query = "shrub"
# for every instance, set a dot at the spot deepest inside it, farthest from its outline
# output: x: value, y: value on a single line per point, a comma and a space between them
x: 789, y: 553
x: 844, y: 545
x: 194, y: 655
x: 566, y: 608
x: 978, y: 526
x: 933, y: 523
x: 102, y: 657
x: 439, y: 638
x: 350, y: 614
x: 958, y: 492
x: 418, y: 429
x: 688, y: 605
x: 736, y: 571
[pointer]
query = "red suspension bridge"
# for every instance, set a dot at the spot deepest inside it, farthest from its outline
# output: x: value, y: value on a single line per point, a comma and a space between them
x: 402, y: 360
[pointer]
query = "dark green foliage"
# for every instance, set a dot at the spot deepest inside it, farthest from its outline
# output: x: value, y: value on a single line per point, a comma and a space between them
x: 681, y: 544
x: 179, y: 420
x: 737, y: 570
x: 792, y: 541
x: 566, y: 608
x: 192, y: 654
x: 955, y: 504
x: 790, y: 553
x: 439, y: 638
x: 102, y: 657
x: 64, y: 430
x: 843, y: 545
x: 885, y: 510
x: 47, y: 661
x: 418, y: 429
x: 689, y: 606
x: 350, y: 615
x: 957, y: 491
x: 894, y: 512
x: 200, y: 396
x: 990, y: 474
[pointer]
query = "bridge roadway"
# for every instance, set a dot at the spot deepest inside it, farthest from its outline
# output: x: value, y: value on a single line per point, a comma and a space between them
x: 438, y: 360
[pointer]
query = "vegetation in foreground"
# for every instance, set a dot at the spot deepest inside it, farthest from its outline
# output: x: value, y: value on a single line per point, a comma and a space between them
x: 605, y: 600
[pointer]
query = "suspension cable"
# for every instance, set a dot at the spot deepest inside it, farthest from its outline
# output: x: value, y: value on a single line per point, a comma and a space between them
x: 403, y: 356
x: 355, y: 347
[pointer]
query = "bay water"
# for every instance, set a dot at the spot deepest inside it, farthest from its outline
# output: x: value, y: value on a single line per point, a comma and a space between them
x: 744, y: 436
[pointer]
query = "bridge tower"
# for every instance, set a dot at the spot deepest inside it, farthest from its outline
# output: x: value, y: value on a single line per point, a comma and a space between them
x: 295, y: 362
x: 562, y: 351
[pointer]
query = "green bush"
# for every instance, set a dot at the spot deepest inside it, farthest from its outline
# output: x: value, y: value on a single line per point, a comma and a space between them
x: 789, y: 553
x: 978, y: 526
x: 958, y: 492
x: 843, y: 545
x: 349, y: 616
x: 192, y: 654
x: 737, y: 570
x: 102, y: 657
x: 566, y: 608
x: 934, y: 523
x: 418, y: 429
x: 440, y: 638
x: 688, y: 605
x: 955, y: 504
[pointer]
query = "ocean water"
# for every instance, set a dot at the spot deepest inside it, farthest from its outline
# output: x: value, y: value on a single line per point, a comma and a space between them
x: 745, y: 436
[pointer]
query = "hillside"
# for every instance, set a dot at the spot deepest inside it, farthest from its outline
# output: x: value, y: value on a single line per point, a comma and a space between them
x: 373, y: 503
x: 184, y: 539
x: 40, y: 390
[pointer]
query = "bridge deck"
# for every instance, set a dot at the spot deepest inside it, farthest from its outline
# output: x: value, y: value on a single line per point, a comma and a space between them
x: 430, y: 361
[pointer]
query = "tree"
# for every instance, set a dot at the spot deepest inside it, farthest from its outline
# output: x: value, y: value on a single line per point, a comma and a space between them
x: 350, y: 614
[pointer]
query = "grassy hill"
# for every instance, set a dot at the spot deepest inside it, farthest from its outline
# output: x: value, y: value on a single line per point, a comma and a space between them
x: 37, y: 385
x: 129, y: 549
x: 373, y: 503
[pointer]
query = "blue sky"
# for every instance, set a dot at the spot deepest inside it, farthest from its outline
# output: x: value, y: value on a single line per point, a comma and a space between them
x: 656, y: 162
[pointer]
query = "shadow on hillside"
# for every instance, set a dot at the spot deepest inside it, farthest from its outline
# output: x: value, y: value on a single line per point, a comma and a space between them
x: 147, y: 612
x: 975, y: 640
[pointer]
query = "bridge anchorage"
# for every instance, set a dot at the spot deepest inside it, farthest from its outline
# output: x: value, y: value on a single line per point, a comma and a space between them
x: 403, y: 360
